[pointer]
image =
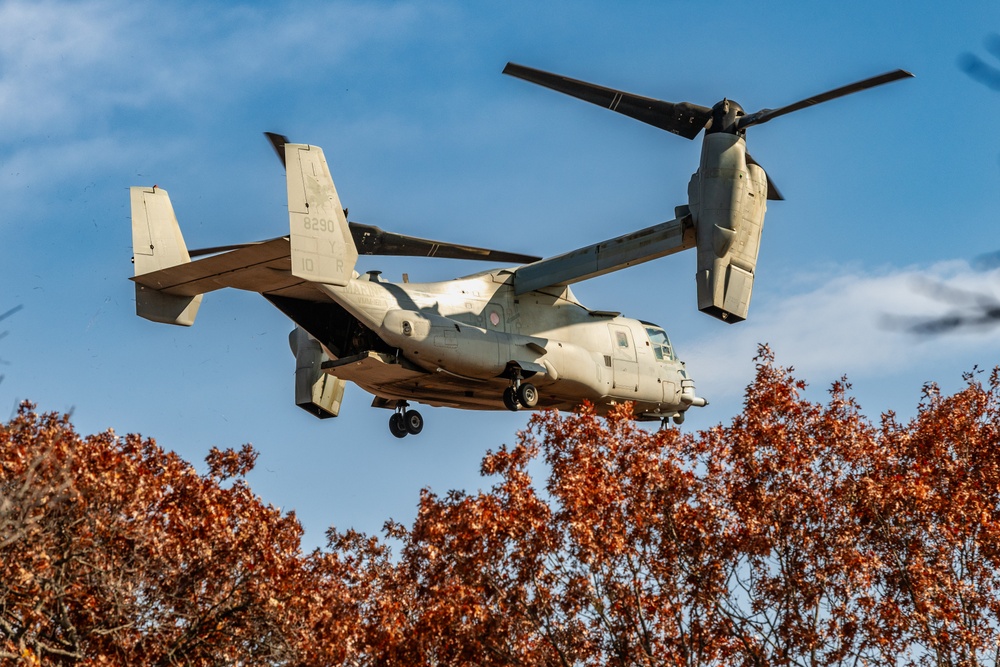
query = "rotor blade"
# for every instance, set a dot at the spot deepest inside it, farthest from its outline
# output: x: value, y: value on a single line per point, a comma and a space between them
x: 989, y: 317
x: 764, y: 115
x: 987, y: 261
x: 371, y: 240
x: 278, y: 142
x: 199, y: 252
x: 11, y: 311
x: 682, y: 118
x: 980, y: 70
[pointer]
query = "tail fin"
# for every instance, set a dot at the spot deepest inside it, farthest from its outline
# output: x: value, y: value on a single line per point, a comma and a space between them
x: 322, y: 246
x: 157, y: 244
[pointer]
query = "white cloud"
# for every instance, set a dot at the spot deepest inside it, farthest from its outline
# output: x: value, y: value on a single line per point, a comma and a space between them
x: 64, y: 63
x: 859, y: 323
x: 103, y: 86
x: 46, y: 49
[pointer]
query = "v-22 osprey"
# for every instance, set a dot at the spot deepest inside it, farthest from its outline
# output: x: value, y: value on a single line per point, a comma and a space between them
x: 507, y: 338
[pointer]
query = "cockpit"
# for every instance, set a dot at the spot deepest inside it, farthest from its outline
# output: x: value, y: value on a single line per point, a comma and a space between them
x: 658, y: 340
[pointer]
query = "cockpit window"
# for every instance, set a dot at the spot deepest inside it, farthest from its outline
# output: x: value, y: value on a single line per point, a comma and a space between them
x: 660, y: 343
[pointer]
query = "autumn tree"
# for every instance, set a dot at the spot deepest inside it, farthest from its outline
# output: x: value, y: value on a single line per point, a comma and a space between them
x: 930, y: 512
x: 799, y: 534
x: 112, y: 550
x: 798, y: 576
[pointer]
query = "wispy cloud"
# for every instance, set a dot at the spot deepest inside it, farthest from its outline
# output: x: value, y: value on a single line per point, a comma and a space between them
x: 64, y: 64
x: 856, y: 323
x: 104, y: 86
x: 50, y: 55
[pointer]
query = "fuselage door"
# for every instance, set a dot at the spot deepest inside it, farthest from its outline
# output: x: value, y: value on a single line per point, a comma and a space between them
x: 625, y: 367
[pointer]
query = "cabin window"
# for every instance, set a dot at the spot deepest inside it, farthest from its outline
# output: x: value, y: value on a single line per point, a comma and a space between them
x: 660, y: 344
x: 622, y: 339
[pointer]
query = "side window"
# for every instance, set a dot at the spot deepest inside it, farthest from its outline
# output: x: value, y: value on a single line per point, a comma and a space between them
x: 622, y: 343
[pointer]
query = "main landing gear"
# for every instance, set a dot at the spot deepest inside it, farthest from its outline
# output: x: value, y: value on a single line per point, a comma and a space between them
x: 520, y: 394
x: 405, y: 422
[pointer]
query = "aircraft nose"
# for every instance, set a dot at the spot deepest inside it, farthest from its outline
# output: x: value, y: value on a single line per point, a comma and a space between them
x: 688, y: 396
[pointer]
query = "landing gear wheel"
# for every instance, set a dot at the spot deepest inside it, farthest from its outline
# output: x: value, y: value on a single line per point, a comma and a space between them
x: 527, y: 395
x: 414, y: 422
x: 510, y: 399
x: 397, y: 425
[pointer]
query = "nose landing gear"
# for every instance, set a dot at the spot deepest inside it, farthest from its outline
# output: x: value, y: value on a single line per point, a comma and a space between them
x: 405, y: 422
x: 678, y: 418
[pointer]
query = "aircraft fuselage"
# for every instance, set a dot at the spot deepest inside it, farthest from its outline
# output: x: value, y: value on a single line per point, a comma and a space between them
x: 459, y: 343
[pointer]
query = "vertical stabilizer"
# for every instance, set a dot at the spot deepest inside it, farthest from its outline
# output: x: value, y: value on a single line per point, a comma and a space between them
x: 157, y: 244
x: 322, y: 246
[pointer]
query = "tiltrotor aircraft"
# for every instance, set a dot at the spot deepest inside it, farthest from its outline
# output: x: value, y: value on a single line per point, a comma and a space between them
x: 505, y: 338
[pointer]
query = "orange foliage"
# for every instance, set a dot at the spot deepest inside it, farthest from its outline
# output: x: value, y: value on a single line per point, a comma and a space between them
x: 114, y: 550
x: 800, y: 534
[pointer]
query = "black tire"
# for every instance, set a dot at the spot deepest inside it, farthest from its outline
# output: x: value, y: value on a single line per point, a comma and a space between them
x: 414, y: 422
x: 510, y: 399
x: 397, y: 425
x: 527, y: 395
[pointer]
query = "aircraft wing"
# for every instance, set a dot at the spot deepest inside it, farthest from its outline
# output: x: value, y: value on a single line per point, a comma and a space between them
x: 265, y: 268
x: 612, y: 255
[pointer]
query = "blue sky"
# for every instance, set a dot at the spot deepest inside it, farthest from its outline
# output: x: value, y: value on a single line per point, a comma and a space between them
x: 884, y: 189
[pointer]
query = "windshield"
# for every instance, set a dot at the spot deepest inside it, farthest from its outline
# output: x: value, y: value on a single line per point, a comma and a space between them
x: 661, y: 344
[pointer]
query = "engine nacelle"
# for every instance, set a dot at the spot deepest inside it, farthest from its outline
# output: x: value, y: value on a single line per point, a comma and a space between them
x: 316, y: 392
x: 727, y: 198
